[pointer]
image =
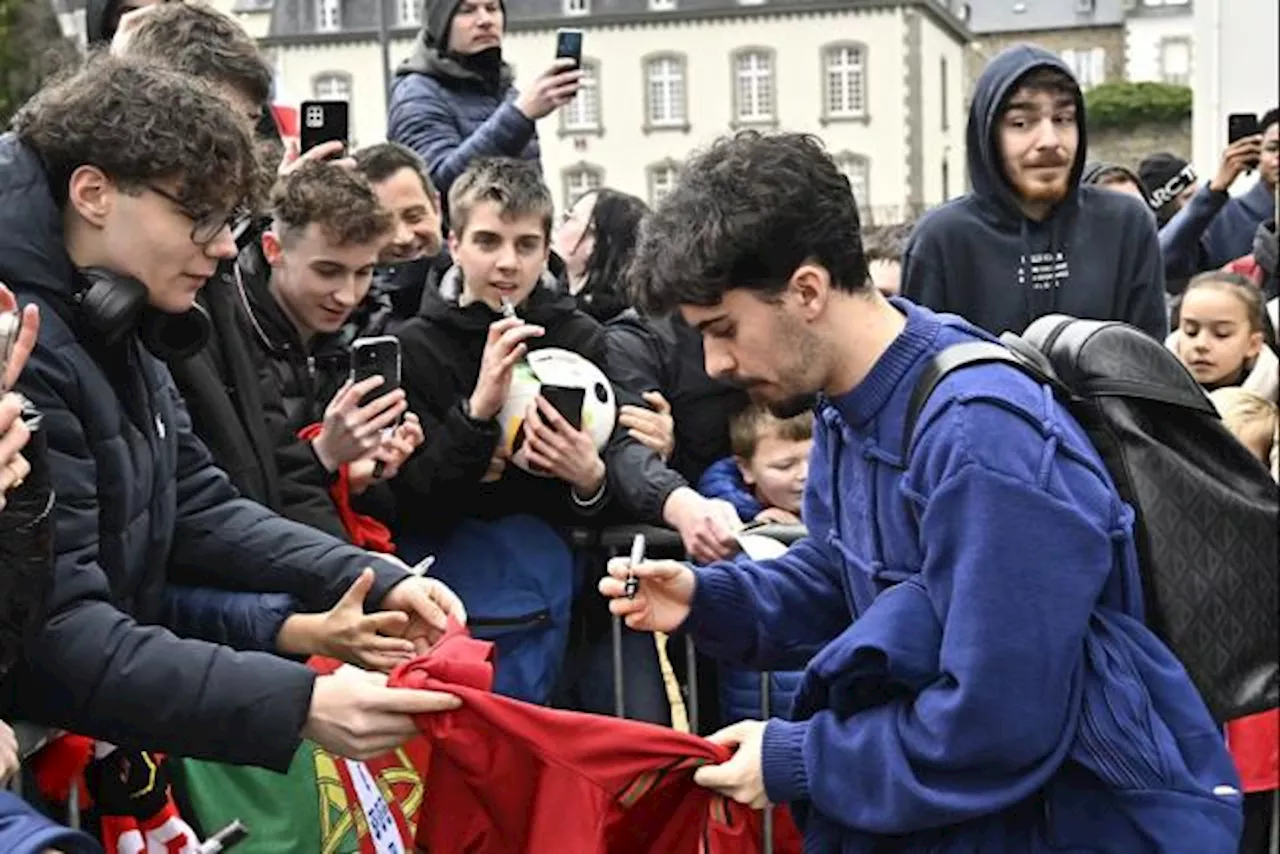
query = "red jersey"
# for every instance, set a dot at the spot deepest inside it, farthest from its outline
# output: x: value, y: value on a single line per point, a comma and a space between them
x: 508, y: 777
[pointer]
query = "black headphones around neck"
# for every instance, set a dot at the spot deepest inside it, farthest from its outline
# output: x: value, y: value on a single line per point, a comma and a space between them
x: 115, y: 306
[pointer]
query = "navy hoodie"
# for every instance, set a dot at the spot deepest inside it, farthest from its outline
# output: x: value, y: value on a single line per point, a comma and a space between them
x: 983, y: 680
x: 1095, y: 256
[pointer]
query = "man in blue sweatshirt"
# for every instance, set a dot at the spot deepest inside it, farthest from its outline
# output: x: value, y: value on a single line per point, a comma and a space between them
x: 982, y: 680
x: 1030, y: 240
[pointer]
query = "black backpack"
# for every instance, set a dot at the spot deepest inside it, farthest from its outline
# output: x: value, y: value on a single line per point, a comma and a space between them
x: 1207, y: 509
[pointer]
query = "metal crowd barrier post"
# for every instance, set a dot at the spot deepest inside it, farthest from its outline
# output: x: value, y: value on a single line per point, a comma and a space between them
x: 616, y: 541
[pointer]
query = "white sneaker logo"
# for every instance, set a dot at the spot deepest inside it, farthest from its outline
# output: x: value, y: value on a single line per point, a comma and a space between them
x: 160, y: 431
x: 1226, y: 791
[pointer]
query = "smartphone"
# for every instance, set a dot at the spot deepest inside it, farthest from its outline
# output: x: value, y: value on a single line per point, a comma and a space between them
x: 376, y: 356
x: 569, y: 45
x: 323, y: 121
x: 567, y: 401
x: 1240, y: 125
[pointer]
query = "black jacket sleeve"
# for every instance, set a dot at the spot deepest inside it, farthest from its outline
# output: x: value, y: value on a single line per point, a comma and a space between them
x: 638, y: 478
x: 221, y: 540
x: 93, y: 669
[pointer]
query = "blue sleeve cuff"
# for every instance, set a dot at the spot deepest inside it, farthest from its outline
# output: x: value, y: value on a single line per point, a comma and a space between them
x: 721, y: 616
x: 782, y: 761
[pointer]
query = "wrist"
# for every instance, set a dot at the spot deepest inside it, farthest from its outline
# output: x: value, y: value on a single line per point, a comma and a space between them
x: 478, y: 411
x: 590, y: 485
x: 298, y: 634
x: 326, y: 459
x: 677, y: 506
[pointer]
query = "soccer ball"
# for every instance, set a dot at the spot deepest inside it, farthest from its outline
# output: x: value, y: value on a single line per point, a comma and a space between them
x: 557, y: 367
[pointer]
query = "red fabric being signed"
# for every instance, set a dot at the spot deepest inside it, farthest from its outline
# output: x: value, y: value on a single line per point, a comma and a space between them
x: 508, y: 777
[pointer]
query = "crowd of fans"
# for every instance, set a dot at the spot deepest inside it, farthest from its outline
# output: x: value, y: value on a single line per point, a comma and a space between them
x: 195, y: 496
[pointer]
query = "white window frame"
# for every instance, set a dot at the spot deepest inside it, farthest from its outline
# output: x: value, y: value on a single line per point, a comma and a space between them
x: 582, y: 114
x: 580, y: 179
x: 409, y: 13
x: 662, y: 180
x: 574, y: 8
x: 331, y: 86
x: 1088, y: 65
x: 666, y: 73
x: 328, y: 16
x: 857, y: 169
x: 1182, y: 78
x: 844, y: 80
x: 754, y: 85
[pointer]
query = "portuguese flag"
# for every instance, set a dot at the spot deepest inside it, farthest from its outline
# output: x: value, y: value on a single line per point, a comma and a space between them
x: 323, y: 803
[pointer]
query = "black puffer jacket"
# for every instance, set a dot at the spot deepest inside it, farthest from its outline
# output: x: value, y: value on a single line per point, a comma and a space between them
x: 442, y: 348
x: 140, y: 504
x: 665, y: 354
x: 242, y: 419
x: 304, y: 377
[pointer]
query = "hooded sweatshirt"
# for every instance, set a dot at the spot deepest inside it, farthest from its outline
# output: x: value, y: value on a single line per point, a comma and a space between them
x: 1095, y: 256
x: 983, y: 679
x: 452, y: 109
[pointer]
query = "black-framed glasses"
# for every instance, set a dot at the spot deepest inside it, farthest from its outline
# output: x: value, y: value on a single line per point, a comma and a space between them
x: 205, y: 228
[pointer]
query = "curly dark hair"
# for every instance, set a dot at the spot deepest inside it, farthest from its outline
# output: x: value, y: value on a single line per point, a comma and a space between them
x: 201, y: 41
x: 339, y: 199
x: 141, y: 123
x: 516, y: 186
x: 746, y: 213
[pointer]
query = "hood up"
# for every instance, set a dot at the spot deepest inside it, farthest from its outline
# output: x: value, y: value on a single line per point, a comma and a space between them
x: 998, y: 80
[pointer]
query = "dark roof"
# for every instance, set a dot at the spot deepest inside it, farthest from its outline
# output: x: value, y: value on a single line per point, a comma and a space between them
x: 294, y: 21
x: 988, y: 17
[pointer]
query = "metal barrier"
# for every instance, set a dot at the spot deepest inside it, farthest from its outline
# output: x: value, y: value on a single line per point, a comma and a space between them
x: 665, y: 543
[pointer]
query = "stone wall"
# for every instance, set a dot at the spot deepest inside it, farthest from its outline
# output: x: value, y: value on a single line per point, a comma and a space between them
x: 1128, y: 146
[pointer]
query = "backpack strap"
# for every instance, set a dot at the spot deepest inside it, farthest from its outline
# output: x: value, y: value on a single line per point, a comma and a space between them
x: 954, y: 358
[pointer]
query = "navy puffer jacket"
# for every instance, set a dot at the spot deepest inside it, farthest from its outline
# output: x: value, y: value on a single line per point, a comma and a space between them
x: 140, y: 507
x: 453, y: 109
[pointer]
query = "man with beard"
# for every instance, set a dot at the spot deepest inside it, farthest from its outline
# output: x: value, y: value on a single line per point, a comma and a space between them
x: 982, y: 680
x: 1030, y: 240
x: 453, y: 100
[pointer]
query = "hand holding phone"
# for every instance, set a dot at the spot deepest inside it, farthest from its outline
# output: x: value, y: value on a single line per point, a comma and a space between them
x: 559, y: 84
x: 1243, y: 126
x: 324, y: 121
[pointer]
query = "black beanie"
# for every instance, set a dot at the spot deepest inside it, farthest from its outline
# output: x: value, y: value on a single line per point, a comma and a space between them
x: 1164, y: 177
x: 439, y: 19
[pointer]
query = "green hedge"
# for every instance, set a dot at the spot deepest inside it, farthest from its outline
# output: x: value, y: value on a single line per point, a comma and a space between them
x: 1126, y: 105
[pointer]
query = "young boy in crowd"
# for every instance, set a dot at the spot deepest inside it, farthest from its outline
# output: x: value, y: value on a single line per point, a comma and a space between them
x: 764, y: 479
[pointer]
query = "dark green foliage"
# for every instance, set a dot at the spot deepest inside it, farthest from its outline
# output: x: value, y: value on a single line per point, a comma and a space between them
x: 1126, y: 105
x: 32, y: 47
